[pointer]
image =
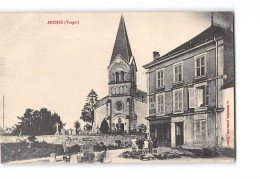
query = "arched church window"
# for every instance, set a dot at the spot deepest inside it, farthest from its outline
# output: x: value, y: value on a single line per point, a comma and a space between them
x: 113, y: 90
x: 117, y: 90
x: 125, y: 89
x: 121, y: 90
x: 117, y: 77
x: 122, y: 76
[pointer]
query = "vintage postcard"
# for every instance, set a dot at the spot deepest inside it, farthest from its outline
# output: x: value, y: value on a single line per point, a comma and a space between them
x: 110, y: 87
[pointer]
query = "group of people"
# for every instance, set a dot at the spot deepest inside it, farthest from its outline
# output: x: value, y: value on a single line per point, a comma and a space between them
x: 144, y: 145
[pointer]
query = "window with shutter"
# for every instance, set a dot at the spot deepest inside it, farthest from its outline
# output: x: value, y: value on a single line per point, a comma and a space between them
x: 160, y: 78
x: 192, y: 103
x: 200, y: 65
x: 178, y: 100
x: 177, y: 72
x: 160, y: 103
x: 152, y: 109
x: 200, y: 130
x: 202, y: 96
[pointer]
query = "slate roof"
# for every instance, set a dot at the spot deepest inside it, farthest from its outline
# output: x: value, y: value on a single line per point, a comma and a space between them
x: 206, y: 35
x: 122, y: 45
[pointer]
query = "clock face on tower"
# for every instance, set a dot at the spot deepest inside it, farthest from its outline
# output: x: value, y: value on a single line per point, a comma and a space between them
x: 119, y: 105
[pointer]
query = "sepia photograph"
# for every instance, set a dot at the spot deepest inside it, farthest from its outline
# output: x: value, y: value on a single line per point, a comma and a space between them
x: 117, y: 87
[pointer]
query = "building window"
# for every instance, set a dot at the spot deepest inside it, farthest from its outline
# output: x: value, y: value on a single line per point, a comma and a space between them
x: 202, y: 93
x: 177, y: 72
x: 160, y: 103
x: 200, y: 130
x: 199, y: 96
x: 178, y: 100
x: 200, y: 65
x: 160, y: 78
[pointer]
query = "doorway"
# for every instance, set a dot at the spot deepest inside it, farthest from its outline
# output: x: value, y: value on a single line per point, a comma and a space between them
x: 179, y: 134
x: 162, y: 132
x: 120, y: 128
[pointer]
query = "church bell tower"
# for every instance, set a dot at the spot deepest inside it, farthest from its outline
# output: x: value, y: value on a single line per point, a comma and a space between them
x: 122, y: 81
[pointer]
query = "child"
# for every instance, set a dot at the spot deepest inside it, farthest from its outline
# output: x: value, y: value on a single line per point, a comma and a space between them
x: 134, y: 144
x: 146, y: 143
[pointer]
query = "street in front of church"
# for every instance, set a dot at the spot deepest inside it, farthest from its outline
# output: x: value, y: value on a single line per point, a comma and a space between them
x: 115, y: 157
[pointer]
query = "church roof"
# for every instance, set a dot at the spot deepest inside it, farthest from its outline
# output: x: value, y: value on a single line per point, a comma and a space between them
x: 122, y: 45
x: 205, y: 36
x: 102, y: 101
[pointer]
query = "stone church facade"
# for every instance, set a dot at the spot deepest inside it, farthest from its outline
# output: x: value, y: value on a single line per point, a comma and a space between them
x: 124, y: 109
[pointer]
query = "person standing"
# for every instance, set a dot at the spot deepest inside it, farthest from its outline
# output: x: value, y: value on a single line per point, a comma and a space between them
x: 155, y: 144
x: 150, y: 145
x: 134, y: 147
x: 140, y: 145
x: 146, y: 143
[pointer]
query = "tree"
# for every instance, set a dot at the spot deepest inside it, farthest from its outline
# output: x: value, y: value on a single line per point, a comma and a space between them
x: 104, y: 127
x: 77, y: 126
x: 37, y: 122
x: 142, y: 128
x: 87, y: 113
x: 88, y: 127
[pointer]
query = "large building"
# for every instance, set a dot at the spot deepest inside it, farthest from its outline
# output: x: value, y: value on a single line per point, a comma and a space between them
x: 191, y: 92
x: 124, y: 109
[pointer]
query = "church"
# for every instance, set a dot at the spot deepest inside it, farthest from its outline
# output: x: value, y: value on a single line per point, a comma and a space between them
x: 124, y: 109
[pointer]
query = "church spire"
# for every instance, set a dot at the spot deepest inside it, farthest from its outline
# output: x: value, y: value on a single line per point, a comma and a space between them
x: 122, y: 45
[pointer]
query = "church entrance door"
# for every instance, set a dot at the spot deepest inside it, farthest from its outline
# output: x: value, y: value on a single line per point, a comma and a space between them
x: 120, y: 124
x: 120, y: 128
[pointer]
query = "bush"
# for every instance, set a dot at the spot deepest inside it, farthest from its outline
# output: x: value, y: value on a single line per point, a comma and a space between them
x: 74, y: 149
x: 100, y: 147
x: 118, y: 142
x: 142, y: 128
x: 32, y: 138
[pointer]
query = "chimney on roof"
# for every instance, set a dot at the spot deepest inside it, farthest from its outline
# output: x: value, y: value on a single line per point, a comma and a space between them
x: 156, y: 55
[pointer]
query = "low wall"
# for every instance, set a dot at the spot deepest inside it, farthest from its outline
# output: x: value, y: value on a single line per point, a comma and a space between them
x: 73, y: 139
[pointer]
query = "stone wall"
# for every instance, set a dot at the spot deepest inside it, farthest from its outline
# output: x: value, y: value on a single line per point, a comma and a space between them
x: 106, y: 139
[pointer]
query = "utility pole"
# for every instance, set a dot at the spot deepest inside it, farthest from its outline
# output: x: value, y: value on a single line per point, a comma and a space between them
x: 212, y: 18
x: 3, y: 113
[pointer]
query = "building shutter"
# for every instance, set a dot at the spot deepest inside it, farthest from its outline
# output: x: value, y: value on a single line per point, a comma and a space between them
x: 158, y: 104
x: 162, y: 103
x: 207, y: 95
x: 192, y: 103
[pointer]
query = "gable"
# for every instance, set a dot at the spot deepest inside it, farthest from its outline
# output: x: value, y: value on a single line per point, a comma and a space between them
x: 118, y: 63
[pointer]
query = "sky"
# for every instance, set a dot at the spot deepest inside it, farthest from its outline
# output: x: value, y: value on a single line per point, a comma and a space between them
x: 56, y: 65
